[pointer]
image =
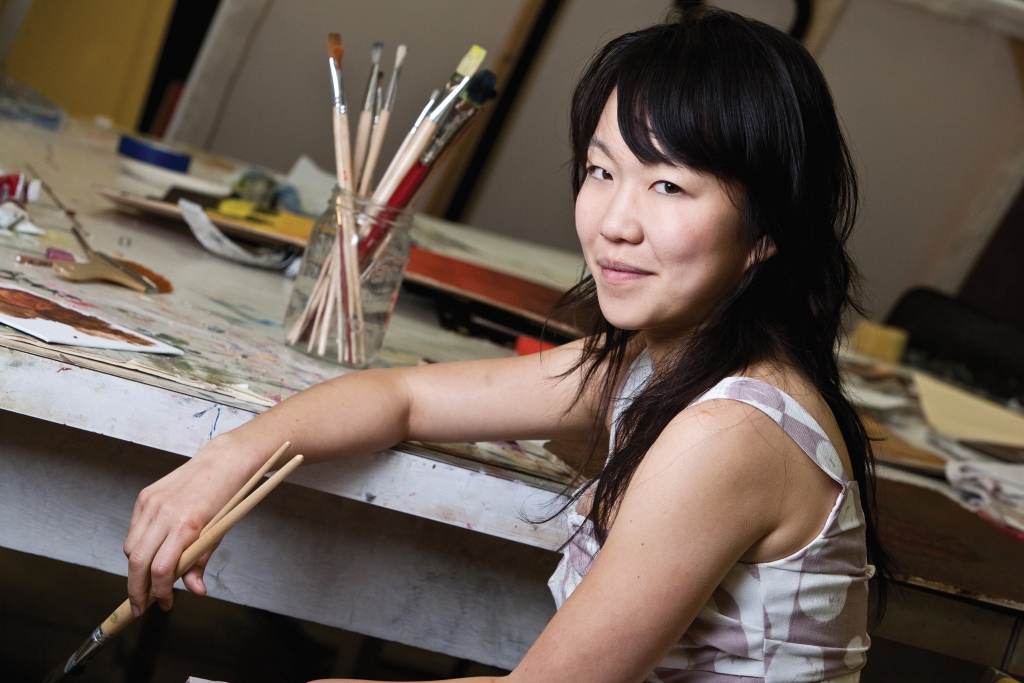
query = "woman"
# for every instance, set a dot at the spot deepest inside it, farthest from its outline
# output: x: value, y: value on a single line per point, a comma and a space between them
x: 714, y: 197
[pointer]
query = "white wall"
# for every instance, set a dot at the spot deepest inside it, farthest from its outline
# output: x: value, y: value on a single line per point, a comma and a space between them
x: 525, y: 190
x: 280, y: 105
x: 931, y: 107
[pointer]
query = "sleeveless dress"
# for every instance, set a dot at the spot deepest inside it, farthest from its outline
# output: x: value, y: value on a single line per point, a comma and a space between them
x: 801, y: 618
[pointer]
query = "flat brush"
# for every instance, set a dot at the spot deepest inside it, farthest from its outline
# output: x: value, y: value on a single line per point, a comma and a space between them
x: 380, y: 126
x: 229, y: 515
x: 366, y: 115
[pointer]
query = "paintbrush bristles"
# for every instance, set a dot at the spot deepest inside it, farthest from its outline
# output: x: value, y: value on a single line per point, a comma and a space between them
x: 400, y: 56
x: 333, y: 41
x: 337, y: 52
x: 375, y: 53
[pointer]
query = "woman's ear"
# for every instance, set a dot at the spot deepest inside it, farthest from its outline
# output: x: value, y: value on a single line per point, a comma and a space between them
x: 762, y: 250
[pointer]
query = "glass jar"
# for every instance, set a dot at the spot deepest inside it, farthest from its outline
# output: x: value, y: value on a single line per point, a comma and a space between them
x: 382, y: 235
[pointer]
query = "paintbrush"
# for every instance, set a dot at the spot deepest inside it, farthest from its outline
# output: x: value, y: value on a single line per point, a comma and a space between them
x: 366, y: 115
x: 105, y: 268
x: 347, y: 299
x: 476, y: 94
x: 326, y: 289
x: 380, y: 126
x: 212, y: 533
x: 426, y: 130
x: 412, y: 131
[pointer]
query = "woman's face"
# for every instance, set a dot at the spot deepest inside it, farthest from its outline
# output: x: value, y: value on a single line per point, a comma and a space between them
x: 663, y: 242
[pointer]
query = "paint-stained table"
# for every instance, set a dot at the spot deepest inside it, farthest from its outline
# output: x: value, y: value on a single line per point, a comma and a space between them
x: 405, y: 545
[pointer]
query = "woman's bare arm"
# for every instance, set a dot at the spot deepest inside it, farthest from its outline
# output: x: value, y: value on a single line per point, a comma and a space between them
x: 706, y: 492
x: 521, y: 397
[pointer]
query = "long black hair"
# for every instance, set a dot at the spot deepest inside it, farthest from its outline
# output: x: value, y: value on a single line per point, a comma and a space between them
x: 740, y: 100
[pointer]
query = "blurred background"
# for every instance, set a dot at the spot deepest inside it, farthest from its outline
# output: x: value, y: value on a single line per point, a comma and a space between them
x: 930, y: 93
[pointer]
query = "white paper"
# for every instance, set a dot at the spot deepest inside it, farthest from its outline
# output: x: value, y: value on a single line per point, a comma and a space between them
x: 995, y: 488
x: 313, y: 184
x: 55, y: 323
x: 13, y: 215
x: 216, y: 242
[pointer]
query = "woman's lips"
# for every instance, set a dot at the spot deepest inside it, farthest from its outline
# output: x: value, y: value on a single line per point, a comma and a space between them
x: 616, y: 271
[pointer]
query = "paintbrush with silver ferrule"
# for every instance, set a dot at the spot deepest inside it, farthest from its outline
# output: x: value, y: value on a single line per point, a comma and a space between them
x: 380, y: 125
x: 412, y: 131
x: 366, y: 115
x: 211, y: 534
x: 426, y: 130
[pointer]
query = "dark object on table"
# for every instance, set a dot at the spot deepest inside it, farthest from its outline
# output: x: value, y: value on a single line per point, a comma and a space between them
x: 959, y: 343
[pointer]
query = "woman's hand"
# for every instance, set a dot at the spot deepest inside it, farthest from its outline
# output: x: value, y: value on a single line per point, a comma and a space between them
x: 169, y: 516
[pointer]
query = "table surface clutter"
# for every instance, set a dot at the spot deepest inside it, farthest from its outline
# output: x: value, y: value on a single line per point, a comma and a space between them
x: 463, y: 570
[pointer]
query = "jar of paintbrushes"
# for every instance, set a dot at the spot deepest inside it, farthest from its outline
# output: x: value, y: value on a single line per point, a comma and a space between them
x: 352, y: 269
x: 349, y: 280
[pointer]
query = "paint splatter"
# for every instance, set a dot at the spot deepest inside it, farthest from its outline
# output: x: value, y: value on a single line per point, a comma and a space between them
x: 18, y: 303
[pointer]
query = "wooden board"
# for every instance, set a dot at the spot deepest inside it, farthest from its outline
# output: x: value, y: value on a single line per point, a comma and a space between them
x: 233, y: 227
x: 940, y: 545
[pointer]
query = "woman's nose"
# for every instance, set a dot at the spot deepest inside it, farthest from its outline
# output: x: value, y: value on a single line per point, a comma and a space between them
x: 621, y: 221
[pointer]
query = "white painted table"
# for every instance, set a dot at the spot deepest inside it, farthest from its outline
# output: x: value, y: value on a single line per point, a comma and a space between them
x: 399, y: 545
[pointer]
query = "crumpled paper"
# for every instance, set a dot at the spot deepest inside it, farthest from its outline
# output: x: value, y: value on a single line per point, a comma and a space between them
x: 216, y: 242
x: 996, y: 489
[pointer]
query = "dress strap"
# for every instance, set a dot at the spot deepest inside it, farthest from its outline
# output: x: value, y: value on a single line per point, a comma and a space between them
x: 788, y: 414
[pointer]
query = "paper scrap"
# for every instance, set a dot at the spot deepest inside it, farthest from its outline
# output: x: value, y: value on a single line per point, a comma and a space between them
x: 56, y: 323
x: 216, y: 242
x: 14, y: 217
x: 997, y: 489
x: 958, y: 414
x: 313, y: 184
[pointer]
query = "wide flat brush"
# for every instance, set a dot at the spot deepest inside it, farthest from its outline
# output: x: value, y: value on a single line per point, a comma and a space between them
x: 212, y: 533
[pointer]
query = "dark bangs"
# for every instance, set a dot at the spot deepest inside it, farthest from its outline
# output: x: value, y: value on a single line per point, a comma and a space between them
x: 720, y: 95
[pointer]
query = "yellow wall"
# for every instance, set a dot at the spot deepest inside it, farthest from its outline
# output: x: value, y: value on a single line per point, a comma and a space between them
x: 92, y: 56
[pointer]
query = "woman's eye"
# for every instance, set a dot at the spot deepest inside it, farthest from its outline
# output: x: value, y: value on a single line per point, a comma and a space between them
x: 665, y: 187
x: 599, y: 173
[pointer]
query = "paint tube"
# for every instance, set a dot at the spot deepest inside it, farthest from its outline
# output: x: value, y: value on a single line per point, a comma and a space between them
x: 17, y: 187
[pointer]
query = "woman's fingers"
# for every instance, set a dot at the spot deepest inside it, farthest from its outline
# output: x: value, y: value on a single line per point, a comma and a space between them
x: 182, y: 535
x: 193, y: 578
x: 140, y: 559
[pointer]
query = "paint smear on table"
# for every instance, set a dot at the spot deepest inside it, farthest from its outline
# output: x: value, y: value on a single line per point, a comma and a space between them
x: 56, y: 323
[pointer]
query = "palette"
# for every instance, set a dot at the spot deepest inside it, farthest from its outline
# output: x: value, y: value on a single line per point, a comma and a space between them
x: 57, y: 323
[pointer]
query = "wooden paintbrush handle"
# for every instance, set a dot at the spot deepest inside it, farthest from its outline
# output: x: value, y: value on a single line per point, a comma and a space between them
x: 362, y: 142
x: 390, y: 182
x: 376, y: 142
x: 244, y: 491
x: 122, y: 616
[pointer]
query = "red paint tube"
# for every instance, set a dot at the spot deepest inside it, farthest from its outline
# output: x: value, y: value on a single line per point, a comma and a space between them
x: 17, y: 187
